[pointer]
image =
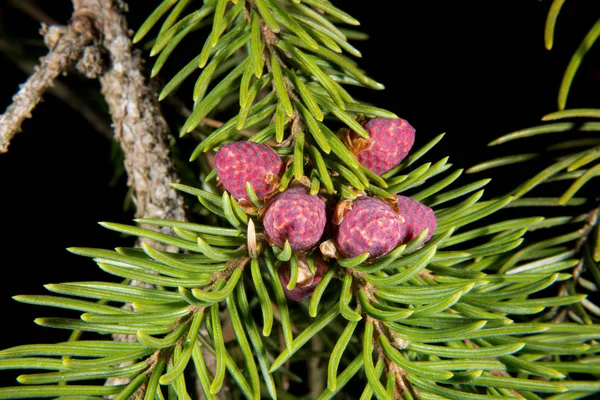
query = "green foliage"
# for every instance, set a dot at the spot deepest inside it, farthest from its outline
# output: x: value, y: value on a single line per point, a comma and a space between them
x: 477, y: 312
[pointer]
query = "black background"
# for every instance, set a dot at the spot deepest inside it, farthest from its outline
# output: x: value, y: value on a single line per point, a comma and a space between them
x: 473, y: 69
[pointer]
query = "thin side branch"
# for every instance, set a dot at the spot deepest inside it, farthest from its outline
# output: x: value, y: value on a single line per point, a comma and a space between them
x: 60, y: 90
x: 64, y: 51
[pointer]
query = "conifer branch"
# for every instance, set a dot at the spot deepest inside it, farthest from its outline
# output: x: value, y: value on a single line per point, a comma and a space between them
x: 436, y: 319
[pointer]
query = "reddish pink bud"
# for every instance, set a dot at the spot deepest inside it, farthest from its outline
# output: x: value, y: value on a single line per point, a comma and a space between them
x: 241, y: 162
x: 301, y: 293
x: 296, y: 216
x: 390, y: 141
x: 417, y: 217
x: 372, y: 226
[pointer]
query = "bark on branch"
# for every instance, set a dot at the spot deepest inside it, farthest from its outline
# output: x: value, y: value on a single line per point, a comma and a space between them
x: 60, y: 90
x: 64, y: 51
x: 138, y: 122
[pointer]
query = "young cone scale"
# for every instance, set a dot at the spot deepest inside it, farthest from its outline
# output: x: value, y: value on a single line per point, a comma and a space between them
x: 370, y: 225
x: 307, y: 282
x: 390, y: 140
x: 417, y: 218
x: 295, y: 216
x: 241, y: 162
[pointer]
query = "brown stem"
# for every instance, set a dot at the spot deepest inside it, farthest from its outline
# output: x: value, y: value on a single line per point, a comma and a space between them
x: 138, y: 122
x: 66, y: 47
x: 60, y: 90
x: 591, y: 220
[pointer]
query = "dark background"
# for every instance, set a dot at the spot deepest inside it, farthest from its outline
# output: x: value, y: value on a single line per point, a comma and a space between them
x: 475, y: 70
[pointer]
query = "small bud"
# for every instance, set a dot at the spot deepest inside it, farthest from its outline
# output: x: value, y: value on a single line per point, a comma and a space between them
x: 251, y: 234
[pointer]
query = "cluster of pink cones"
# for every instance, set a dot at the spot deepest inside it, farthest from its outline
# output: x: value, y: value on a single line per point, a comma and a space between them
x: 365, y: 225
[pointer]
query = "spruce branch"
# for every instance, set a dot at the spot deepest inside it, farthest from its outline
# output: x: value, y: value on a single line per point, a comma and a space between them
x: 453, y: 312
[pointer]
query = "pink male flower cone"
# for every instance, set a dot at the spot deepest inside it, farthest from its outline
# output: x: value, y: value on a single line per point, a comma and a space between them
x: 372, y: 226
x: 296, y: 216
x: 390, y: 141
x: 241, y: 162
x: 417, y: 217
